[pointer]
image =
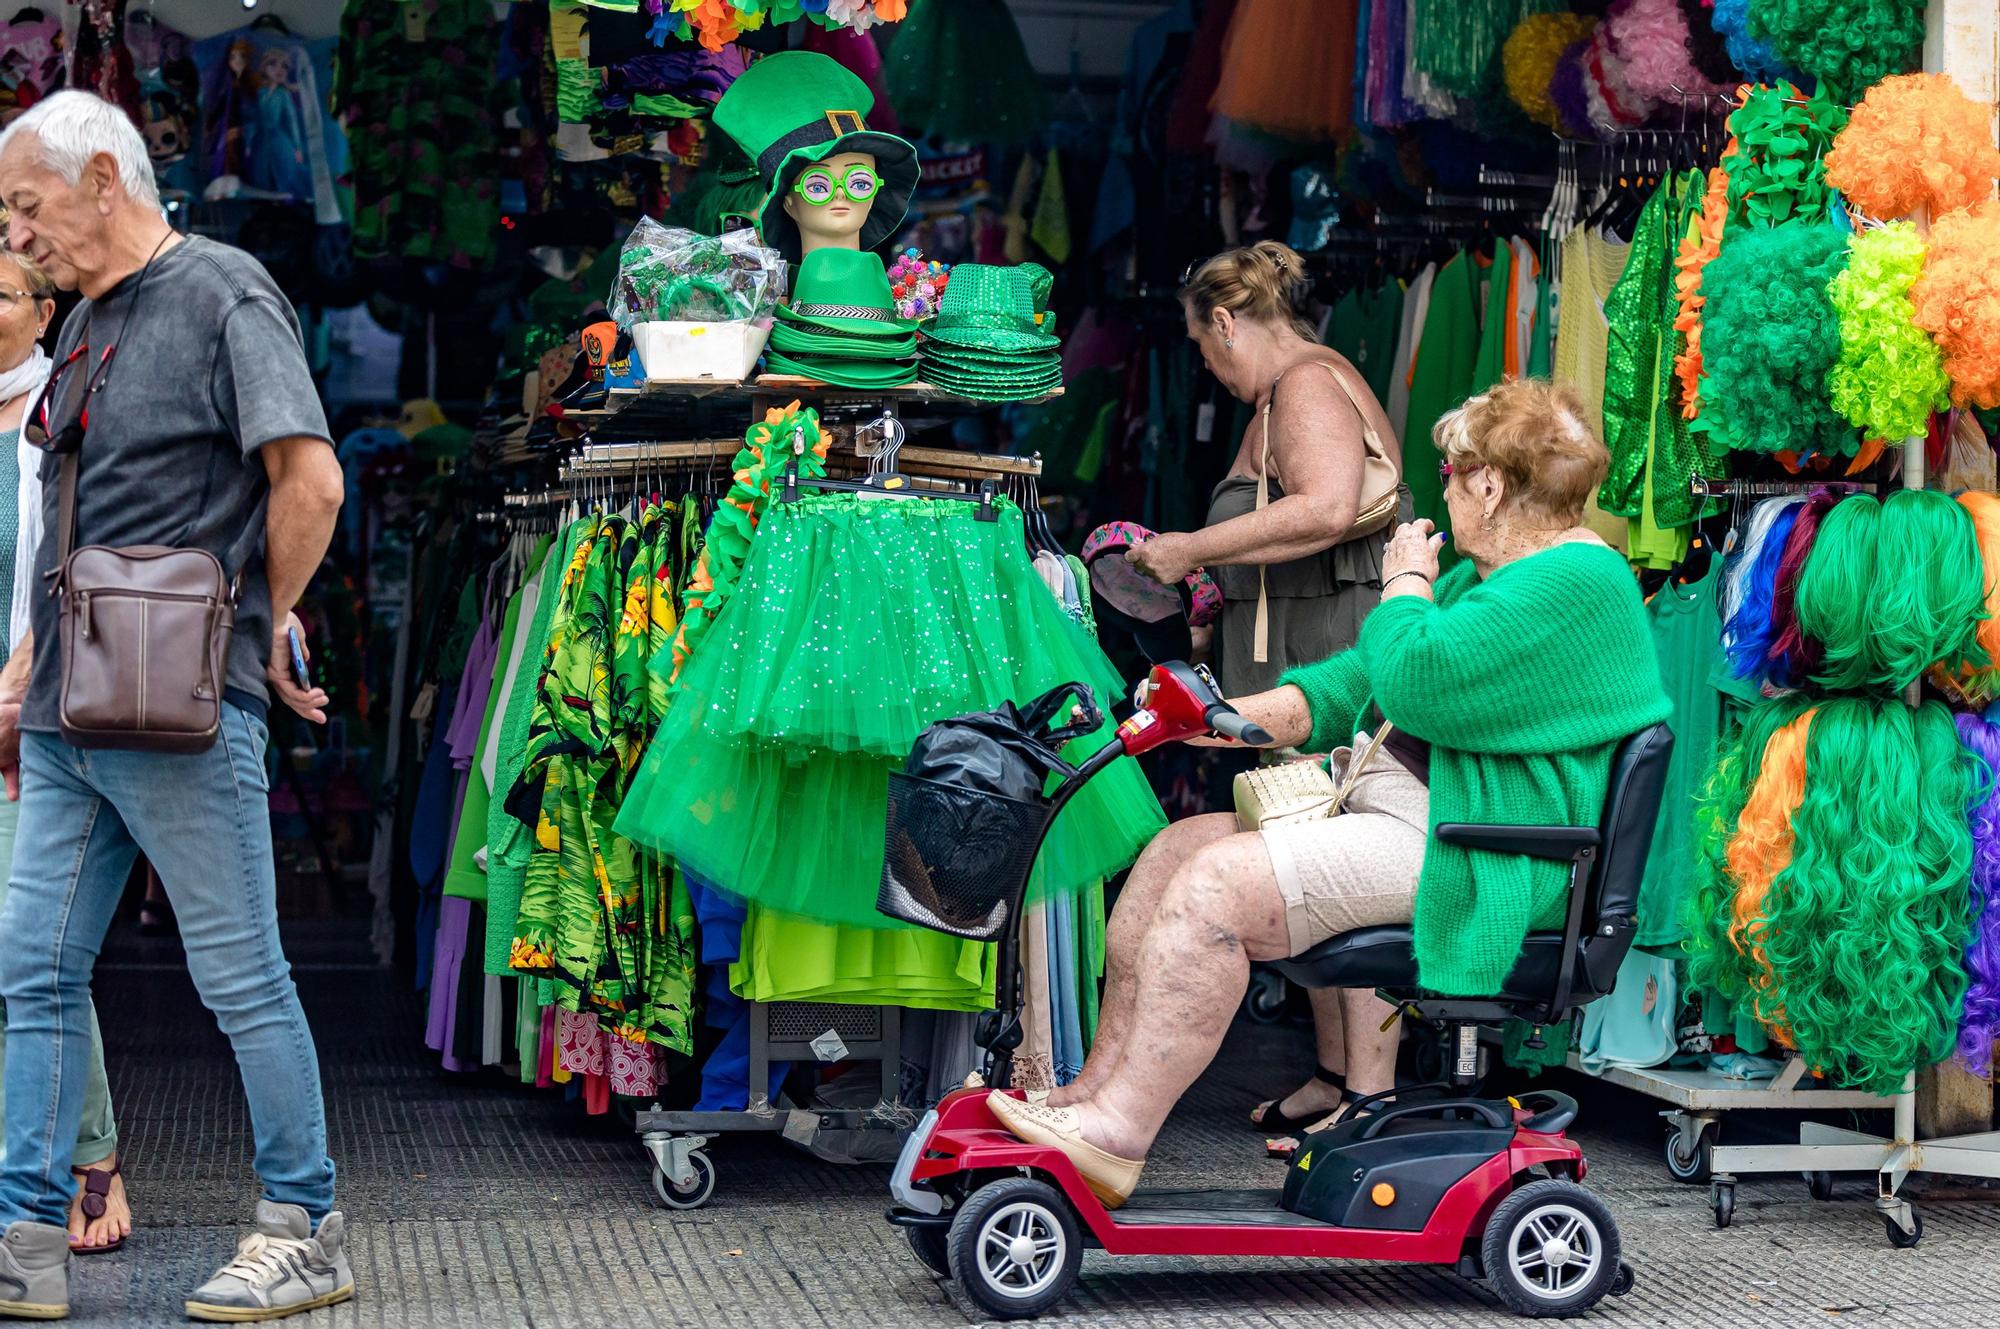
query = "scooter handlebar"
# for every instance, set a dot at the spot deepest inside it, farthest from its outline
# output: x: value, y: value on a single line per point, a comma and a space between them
x: 1230, y: 723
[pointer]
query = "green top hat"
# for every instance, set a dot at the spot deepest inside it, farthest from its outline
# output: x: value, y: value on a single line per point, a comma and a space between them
x: 992, y: 308
x: 845, y: 291
x: 795, y: 108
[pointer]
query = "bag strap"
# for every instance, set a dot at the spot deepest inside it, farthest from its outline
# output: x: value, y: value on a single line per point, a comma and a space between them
x: 1260, y: 643
x: 1045, y: 708
x: 65, y: 511
x: 237, y: 556
x: 1357, y: 766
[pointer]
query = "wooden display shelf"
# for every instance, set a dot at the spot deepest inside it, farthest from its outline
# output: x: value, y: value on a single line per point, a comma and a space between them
x: 659, y: 392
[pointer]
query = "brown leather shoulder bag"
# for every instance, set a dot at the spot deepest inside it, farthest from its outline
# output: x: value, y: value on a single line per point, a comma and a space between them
x: 145, y: 638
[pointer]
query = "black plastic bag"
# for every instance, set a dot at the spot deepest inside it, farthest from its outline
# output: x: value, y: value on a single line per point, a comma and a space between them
x: 966, y: 813
x: 1007, y: 751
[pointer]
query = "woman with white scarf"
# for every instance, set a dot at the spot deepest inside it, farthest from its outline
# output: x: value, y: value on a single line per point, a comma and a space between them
x: 99, y: 1219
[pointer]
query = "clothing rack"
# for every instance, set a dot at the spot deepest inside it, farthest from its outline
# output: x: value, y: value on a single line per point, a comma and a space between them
x: 1703, y: 487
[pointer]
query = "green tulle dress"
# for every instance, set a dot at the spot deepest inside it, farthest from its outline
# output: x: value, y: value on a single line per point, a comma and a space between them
x: 857, y: 623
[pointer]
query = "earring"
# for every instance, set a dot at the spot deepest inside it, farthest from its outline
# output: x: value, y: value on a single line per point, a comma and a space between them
x: 1486, y: 522
x: 1229, y: 343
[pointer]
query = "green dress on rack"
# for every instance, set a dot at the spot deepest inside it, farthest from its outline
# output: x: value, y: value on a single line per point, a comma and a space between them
x: 1441, y: 379
x: 1654, y: 455
x: 509, y: 841
x: 1686, y: 625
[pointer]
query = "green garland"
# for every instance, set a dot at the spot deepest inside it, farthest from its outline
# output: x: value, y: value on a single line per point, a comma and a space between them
x: 768, y: 447
x: 1778, y: 173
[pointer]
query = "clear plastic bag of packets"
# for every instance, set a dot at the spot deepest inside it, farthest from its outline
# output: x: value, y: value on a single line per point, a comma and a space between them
x: 667, y: 274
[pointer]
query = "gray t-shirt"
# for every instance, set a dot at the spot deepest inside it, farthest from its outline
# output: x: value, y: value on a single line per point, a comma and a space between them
x: 210, y: 368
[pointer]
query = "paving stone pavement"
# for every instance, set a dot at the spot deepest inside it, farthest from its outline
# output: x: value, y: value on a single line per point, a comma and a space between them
x: 475, y: 1203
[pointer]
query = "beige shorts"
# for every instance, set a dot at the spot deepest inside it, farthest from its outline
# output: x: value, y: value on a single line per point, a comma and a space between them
x: 1360, y: 868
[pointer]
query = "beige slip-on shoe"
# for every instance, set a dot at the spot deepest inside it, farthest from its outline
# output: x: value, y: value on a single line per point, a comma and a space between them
x: 1110, y: 1178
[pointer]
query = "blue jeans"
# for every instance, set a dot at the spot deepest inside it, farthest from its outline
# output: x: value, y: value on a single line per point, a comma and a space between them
x: 204, y: 824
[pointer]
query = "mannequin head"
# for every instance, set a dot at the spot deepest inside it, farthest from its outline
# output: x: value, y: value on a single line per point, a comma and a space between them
x: 836, y: 223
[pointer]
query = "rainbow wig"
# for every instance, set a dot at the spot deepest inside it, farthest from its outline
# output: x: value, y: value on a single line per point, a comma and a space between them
x: 1865, y: 930
x: 1750, y: 582
x: 1980, y: 1024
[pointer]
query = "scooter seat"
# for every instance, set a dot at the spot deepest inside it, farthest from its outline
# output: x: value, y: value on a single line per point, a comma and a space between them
x: 1385, y: 958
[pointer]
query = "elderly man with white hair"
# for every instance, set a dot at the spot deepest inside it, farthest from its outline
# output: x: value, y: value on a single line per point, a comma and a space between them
x: 180, y: 385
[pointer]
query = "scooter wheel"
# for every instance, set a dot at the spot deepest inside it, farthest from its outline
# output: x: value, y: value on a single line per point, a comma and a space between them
x: 1551, y: 1249
x: 1015, y: 1248
x: 928, y: 1244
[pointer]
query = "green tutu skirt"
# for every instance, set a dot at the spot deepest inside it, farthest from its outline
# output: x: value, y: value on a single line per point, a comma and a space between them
x: 856, y: 624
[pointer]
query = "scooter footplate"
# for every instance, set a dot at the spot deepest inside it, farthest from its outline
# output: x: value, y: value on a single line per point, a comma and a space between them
x: 1251, y: 1208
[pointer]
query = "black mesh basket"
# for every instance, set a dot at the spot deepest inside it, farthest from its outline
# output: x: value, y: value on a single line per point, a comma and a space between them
x: 956, y: 860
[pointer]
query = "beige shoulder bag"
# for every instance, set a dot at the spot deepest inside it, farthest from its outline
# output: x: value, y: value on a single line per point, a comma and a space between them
x: 1298, y: 790
x: 1381, y: 479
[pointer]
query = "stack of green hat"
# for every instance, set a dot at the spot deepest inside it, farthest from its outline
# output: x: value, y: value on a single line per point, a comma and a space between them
x: 842, y: 326
x: 989, y: 341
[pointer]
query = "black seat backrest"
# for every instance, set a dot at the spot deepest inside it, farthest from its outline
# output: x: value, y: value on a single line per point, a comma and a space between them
x: 1631, y: 808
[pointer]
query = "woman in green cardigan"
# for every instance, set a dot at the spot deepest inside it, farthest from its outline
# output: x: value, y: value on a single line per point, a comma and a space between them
x: 1507, y: 686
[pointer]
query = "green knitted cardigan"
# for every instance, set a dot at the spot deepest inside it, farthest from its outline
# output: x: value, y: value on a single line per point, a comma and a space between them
x: 1524, y: 684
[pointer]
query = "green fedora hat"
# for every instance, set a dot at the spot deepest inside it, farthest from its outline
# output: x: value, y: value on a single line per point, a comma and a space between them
x: 846, y: 292
x: 795, y: 108
x: 793, y: 341
x: 987, y: 307
x: 844, y: 373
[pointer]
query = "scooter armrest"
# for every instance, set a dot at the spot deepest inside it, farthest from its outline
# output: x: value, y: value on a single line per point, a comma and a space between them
x: 1560, y: 843
x: 1487, y: 1112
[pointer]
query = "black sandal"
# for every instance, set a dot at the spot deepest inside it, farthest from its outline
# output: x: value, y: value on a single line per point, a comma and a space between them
x: 1275, y: 1148
x: 1267, y: 1120
x: 97, y: 1202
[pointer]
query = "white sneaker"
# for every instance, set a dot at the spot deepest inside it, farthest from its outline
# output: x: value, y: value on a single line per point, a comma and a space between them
x: 282, y: 1268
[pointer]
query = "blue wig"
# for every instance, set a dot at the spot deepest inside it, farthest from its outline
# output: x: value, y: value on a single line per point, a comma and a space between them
x: 1747, y: 634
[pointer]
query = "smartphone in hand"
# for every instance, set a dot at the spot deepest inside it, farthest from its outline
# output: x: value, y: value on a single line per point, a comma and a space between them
x: 299, y: 673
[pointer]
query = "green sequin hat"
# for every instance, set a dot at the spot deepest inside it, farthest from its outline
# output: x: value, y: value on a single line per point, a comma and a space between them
x: 795, y: 108
x: 845, y: 292
x: 992, y: 308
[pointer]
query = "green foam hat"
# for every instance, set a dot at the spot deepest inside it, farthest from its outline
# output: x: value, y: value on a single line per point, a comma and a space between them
x: 795, y: 108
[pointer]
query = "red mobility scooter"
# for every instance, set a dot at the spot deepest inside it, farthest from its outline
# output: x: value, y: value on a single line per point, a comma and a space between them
x: 1490, y: 1186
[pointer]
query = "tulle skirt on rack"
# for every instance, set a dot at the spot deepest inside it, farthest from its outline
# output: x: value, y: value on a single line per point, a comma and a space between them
x: 856, y: 624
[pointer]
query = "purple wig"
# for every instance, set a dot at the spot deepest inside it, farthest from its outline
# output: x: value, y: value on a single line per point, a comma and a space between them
x: 1980, y: 1024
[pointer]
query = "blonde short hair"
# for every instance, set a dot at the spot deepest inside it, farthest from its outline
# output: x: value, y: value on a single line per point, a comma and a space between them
x: 1266, y: 281
x: 39, y: 283
x: 1538, y: 436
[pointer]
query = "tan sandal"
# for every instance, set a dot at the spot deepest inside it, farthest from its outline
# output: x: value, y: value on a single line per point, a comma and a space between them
x: 1111, y: 1179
